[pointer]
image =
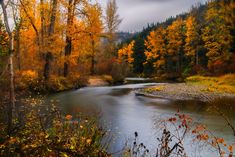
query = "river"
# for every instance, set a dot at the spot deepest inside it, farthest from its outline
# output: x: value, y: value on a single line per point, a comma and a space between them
x: 124, y: 113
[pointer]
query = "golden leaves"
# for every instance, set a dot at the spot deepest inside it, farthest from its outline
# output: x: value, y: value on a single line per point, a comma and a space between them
x: 156, y: 47
x: 125, y: 54
x: 191, y: 36
x: 175, y: 36
x: 216, y: 34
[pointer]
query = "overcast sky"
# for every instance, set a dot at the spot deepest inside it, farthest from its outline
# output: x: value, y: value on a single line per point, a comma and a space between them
x: 136, y: 14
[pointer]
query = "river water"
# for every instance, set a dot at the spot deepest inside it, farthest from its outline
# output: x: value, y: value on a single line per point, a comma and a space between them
x: 123, y: 113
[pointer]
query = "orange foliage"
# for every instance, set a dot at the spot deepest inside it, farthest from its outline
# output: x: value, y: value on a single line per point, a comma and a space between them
x: 156, y: 47
x: 68, y: 117
x: 184, y: 123
x: 175, y: 36
x: 125, y: 54
x: 35, y: 42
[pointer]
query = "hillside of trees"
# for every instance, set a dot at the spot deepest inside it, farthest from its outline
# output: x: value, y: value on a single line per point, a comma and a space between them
x: 198, y: 42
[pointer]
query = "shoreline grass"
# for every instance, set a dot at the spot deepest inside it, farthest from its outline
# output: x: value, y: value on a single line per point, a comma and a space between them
x: 221, y: 84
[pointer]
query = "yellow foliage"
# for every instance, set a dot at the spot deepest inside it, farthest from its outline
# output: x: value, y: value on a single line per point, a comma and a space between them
x: 159, y: 88
x: 156, y: 47
x: 192, y: 37
x: 216, y: 35
x: 225, y: 83
x: 57, y: 84
x: 108, y: 78
x: 25, y: 78
x: 125, y: 54
x: 175, y: 36
x: 29, y: 75
x: 152, y: 89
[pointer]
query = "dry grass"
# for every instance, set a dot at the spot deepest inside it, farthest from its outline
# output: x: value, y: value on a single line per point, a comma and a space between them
x: 153, y: 89
x: 225, y: 83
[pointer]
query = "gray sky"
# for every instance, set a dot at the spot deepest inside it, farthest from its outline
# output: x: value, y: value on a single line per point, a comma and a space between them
x: 136, y: 14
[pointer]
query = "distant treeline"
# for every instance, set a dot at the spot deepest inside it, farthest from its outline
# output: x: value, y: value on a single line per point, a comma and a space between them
x: 198, y: 42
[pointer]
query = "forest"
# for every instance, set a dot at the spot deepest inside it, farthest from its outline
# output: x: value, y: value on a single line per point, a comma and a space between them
x: 59, y: 41
x: 60, y: 58
x: 198, y: 42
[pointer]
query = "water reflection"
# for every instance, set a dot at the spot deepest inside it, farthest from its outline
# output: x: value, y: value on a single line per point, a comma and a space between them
x: 125, y: 113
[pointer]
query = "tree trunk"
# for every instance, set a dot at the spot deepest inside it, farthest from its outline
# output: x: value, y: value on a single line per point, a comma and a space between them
x: 68, y: 46
x: 18, y: 47
x: 42, y: 22
x: 11, y: 110
x: 11, y: 107
x: 92, y: 70
x: 197, y: 61
x: 179, y: 62
x: 47, y: 65
x: 17, y: 37
x: 53, y: 18
x: 49, y: 55
x: 68, y: 50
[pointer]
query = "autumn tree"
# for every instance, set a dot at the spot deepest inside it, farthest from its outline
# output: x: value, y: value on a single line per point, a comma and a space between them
x: 51, y: 29
x: 3, y: 40
x: 11, y: 107
x: 112, y: 21
x: 70, y: 20
x: 156, y: 47
x: 57, y: 37
x: 18, y: 26
x: 192, y: 39
x: 27, y: 13
x: 216, y: 34
x: 175, y: 40
x: 125, y: 54
x: 31, y: 35
x: 93, y: 28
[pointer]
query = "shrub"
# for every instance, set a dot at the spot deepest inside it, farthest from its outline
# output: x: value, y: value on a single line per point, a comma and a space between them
x: 108, y: 78
x: 52, y: 134
x: 78, y: 80
x: 59, y: 83
x: 187, y: 71
x: 119, y: 72
x: 173, y: 133
x: 25, y: 79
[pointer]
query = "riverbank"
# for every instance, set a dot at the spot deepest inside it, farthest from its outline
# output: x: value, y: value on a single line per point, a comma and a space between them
x: 192, y: 90
x: 102, y: 80
x: 31, y: 82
